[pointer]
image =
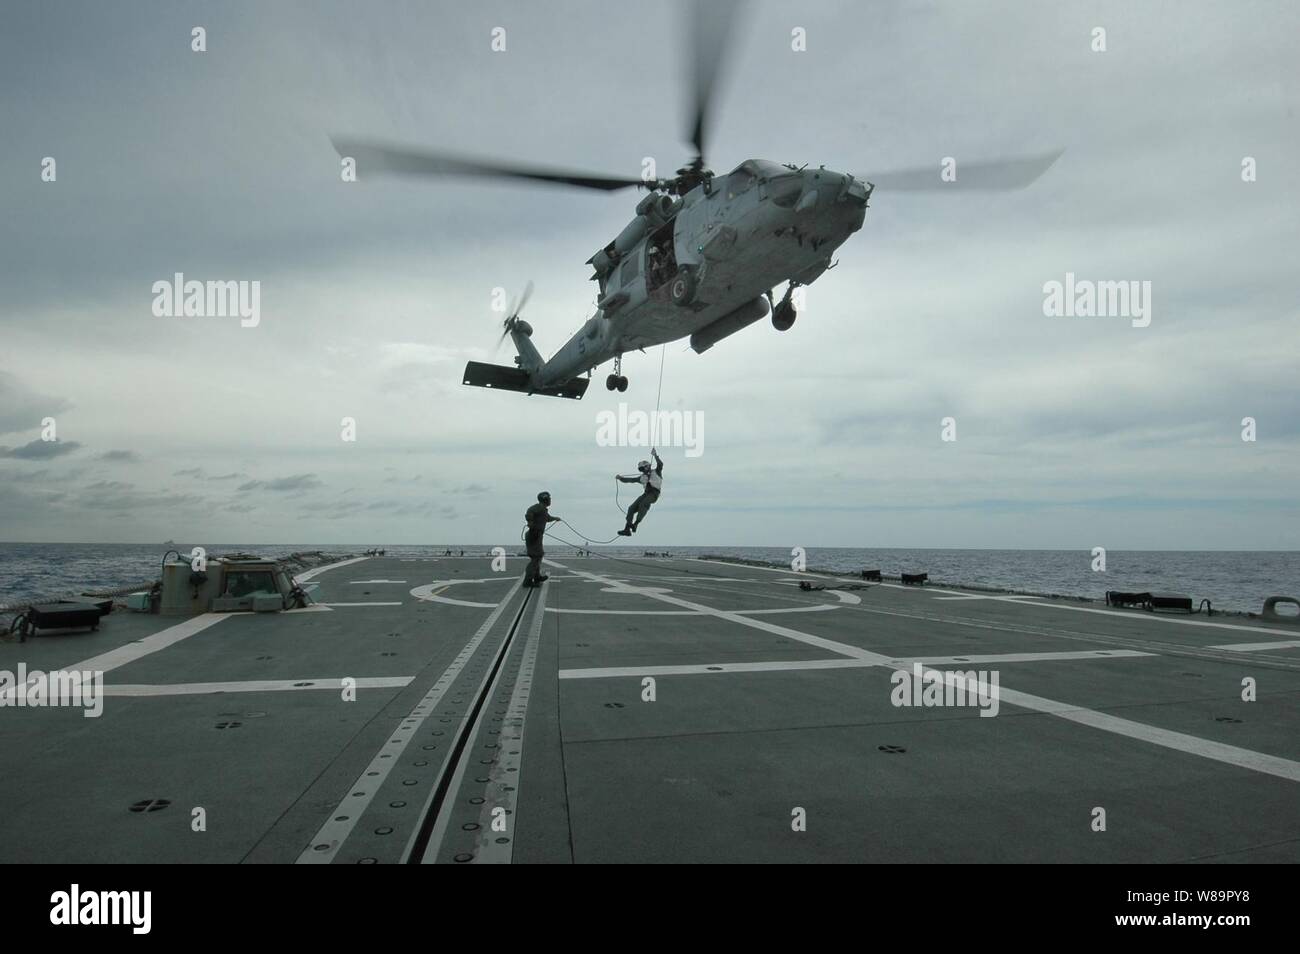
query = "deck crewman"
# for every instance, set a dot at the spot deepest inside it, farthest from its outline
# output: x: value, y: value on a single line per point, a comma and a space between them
x: 653, y: 481
x: 537, y: 517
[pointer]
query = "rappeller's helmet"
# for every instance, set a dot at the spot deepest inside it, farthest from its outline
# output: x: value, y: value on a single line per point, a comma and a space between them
x: 544, y: 497
x: 644, y: 465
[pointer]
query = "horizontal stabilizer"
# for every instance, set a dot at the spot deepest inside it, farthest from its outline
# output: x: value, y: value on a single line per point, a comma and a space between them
x: 501, y: 378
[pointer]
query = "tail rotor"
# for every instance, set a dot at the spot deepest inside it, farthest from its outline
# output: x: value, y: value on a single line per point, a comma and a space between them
x: 513, y: 321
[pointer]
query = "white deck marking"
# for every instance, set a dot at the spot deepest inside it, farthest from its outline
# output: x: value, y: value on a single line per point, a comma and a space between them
x: 852, y: 599
x: 1192, y: 745
x: 1257, y: 647
x: 830, y: 645
x: 429, y: 594
x: 337, y: 605
x: 325, y: 844
x: 1117, y: 614
x: 256, y: 685
x: 317, y: 571
x: 995, y: 599
x: 798, y: 664
x: 360, y: 582
x: 1157, y: 618
x: 1025, y: 657
x: 709, y: 669
x: 427, y: 591
x: 114, y: 658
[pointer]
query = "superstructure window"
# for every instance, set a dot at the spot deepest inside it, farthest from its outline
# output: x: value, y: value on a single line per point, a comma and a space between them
x: 244, y: 582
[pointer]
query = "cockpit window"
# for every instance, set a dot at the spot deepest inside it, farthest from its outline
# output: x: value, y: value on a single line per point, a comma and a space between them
x: 739, y: 181
x: 768, y: 170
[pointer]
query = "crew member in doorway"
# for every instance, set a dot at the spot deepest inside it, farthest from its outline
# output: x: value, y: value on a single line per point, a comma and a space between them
x: 537, y: 517
x: 653, y: 480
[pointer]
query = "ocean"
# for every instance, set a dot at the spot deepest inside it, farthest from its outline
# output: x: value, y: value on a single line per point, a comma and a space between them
x: 1231, y: 579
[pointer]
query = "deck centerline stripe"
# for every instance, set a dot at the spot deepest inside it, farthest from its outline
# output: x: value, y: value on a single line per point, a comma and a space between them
x: 505, y: 774
x: 325, y: 844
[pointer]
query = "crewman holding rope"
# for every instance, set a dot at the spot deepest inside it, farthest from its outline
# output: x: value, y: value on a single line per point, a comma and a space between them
x: 537, y: 517
x: 653, y: 480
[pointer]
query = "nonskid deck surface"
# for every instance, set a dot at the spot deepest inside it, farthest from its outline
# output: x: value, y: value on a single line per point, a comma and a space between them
x: 656, y: 710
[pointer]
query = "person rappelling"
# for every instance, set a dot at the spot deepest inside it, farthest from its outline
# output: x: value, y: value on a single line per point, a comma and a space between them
x: 653, y: 481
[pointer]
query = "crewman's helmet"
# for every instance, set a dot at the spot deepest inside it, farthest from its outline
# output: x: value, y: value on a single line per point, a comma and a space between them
x: 644, y: 465
x: 544, y: 497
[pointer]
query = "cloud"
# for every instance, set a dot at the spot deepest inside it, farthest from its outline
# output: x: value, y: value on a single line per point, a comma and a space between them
x: 471, y: 489
x: 121, y: 456
x: 935, y: 309
x: 119, y: 497
x: 22, y: 409
x: 296, y: 482
x: 40, y: 450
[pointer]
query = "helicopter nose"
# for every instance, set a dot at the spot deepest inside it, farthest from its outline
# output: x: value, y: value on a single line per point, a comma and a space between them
x: 821, y: 189
x: 785, y: 190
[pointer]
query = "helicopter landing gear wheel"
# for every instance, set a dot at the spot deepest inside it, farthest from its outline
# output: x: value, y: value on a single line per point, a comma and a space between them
x: 616, y: 381
x: 682, y: 290
x: 783, y: 317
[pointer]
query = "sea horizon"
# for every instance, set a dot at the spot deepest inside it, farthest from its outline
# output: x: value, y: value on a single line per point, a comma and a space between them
x: 1233, y: 580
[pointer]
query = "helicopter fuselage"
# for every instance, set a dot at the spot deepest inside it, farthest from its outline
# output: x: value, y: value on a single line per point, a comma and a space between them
x: 703, y: 266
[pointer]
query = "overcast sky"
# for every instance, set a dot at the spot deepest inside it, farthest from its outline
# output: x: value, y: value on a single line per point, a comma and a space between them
x: 1070, y: 432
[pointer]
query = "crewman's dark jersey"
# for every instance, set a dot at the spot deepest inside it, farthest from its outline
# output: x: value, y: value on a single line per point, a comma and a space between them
x: 536, y: 516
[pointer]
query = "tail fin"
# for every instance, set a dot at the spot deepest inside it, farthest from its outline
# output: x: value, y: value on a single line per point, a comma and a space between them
x: 521, y: 333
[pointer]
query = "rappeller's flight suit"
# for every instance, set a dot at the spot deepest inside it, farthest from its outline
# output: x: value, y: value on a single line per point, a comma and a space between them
x: 653, y: 480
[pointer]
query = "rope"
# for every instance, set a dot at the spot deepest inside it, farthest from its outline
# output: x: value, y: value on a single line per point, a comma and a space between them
x: 618, y: 504
x: 641, y: 563
x: 654, y: 421
x: 654, y: 426
x: 583, y: 535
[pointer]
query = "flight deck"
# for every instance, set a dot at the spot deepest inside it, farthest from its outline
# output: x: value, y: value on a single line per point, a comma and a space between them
x: 658, y: 710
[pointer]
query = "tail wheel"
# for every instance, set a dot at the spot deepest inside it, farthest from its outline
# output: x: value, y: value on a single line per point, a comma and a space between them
x: 682, y: 290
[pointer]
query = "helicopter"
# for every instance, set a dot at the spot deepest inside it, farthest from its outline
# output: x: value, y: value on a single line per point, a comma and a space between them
x: 704, y: 252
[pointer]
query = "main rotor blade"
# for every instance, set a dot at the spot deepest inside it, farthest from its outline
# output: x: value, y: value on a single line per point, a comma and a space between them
x: 992, y: 175
x: 376, y: 157
x: 523, y: 299
x: 712, y: 23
